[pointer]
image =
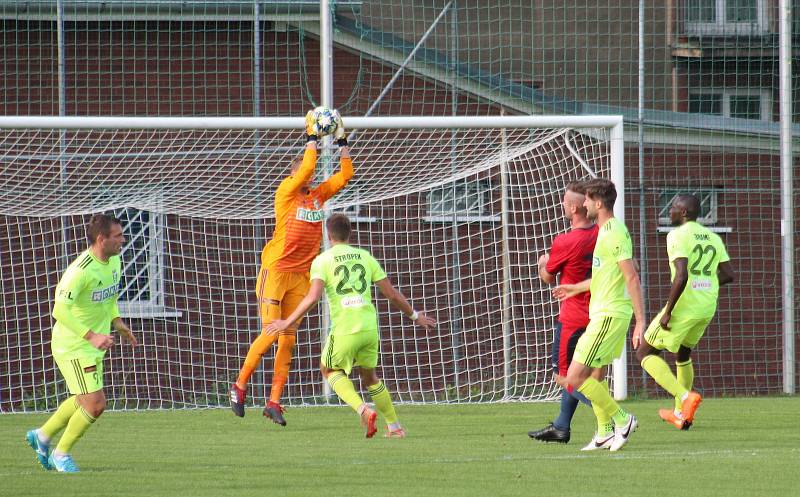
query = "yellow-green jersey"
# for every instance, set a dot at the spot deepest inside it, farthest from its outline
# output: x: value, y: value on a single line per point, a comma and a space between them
x: 609, y: 294
x: 348, y: 274
x: 86, y: 299
x: 704, y: 251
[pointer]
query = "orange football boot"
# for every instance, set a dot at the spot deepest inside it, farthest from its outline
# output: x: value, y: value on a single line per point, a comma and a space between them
x: 670, y: 417
x: 690, y: 405
x: 368, y: 417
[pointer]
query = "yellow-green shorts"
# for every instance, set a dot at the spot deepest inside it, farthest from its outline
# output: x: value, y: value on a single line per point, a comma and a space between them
x: 345, y: 352
x: 602, y: 341
x: 83, y: 374
x: 686, y: 331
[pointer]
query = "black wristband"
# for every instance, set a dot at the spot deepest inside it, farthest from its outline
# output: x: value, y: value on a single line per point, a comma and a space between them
x: 311, y: 138
x: 342, y: 142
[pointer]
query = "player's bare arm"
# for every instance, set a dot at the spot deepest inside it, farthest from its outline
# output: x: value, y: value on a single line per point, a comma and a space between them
x: 634, y: 288
x: 543, y: 274
x: 563, y: 292
x: 122, y: 328
x: 399, y: 301
x: 676, y: 290
x: 313, y: 296
x: 98, y: 340
x: 725, y: 273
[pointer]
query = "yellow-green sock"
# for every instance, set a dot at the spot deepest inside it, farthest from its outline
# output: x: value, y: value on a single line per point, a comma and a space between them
x: 685, y: 377
x: 383, y: 402
x: 344, y: 388
x: 60, y: 418
x: 600, y: 396
x: 660, y: 371
x: 604, y: 424
x: 77, y: 426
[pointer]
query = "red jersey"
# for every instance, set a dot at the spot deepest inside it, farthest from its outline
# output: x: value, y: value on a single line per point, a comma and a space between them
x: 571, y: 256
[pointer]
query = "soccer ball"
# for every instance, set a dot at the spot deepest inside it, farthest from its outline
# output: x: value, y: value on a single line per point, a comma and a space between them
x: 326, y: 122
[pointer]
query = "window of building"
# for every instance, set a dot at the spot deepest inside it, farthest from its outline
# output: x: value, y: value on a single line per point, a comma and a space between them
x: 701, y: 11
x: 745, y: 106
x: 726, y: 17
x: 356, y: 212
x: 741, y: 11
x: 709, y: 207
x: 464, y: 200
x: 745, y: 103
x: 705, y: 103
x: 142, y: 283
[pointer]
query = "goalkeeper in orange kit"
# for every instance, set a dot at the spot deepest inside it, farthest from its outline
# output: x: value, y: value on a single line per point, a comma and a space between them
x: 283, y: 280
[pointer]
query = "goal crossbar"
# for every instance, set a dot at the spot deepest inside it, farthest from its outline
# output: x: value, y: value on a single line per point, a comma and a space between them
x: 352, y: 123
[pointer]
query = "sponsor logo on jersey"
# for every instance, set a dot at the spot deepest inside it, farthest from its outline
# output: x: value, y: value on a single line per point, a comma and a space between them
x: 355, y: 301
x: 105, y: 293
x: 309, y: 215
x: 701, y: 285
x: 595, y: 262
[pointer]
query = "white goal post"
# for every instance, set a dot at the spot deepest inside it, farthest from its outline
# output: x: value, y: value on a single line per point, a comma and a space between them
x: 457, y: 209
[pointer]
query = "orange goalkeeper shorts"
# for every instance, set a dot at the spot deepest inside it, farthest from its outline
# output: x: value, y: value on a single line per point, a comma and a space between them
x: 279, y: 294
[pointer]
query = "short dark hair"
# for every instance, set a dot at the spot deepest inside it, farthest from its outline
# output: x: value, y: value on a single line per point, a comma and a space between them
x: 692, y: 205
x: 100, y: 224
x: 577, y: 187
x: 603, y: 190
x: 338, y: 227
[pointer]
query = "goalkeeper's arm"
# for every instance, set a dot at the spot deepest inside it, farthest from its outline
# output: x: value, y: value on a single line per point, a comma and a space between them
x: 332, y: 185
x: 312, y: 129
x: 346, y: 164
x: 300, y: 176
x: 339, y: 135
x: 339, y: 180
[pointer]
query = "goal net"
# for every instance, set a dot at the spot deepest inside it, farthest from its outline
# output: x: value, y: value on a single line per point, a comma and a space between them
x: 457, y: 209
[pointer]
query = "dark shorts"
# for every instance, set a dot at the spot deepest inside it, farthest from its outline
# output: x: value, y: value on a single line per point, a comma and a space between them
x: 564, y: 339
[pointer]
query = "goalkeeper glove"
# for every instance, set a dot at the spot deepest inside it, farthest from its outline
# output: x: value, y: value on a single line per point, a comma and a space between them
x: 339, y: 135
x: 312, y: 130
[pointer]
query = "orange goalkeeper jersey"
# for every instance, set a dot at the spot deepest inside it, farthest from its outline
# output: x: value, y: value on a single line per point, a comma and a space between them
x: 298, y: 216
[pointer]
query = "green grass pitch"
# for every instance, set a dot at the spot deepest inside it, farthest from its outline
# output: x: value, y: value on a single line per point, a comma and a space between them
x: 741, y: 446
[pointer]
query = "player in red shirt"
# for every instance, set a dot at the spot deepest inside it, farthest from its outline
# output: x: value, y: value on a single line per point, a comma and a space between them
x: 570, y: 257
